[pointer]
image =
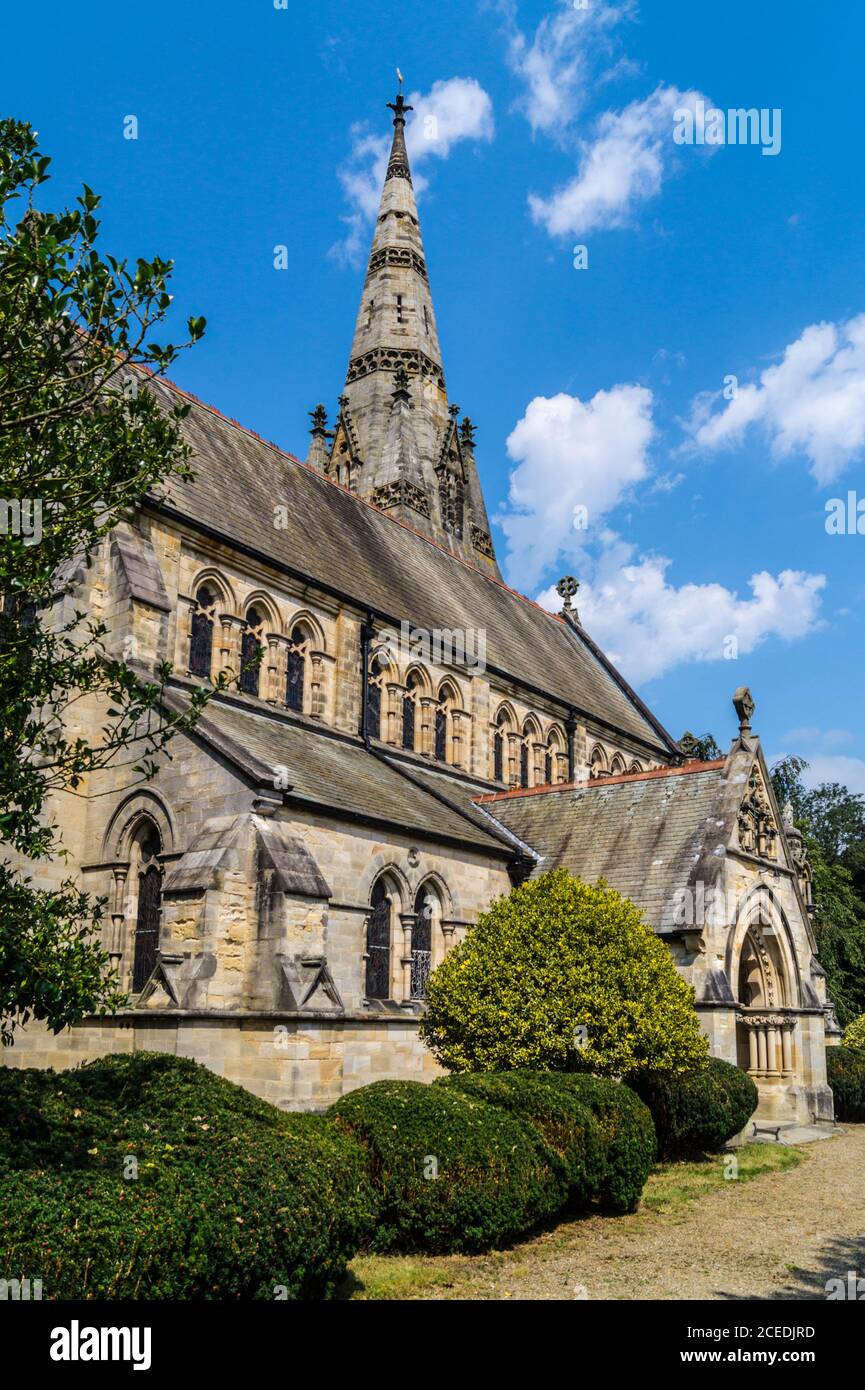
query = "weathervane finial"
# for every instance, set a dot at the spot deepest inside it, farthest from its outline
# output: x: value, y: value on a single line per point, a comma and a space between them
x: 399, y: 106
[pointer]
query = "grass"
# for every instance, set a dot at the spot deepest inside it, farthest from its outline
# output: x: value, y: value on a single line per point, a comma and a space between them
x: 671, y: 1188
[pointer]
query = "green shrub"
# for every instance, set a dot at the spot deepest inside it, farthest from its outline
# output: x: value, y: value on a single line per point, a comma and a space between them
x: 232, y: 1197
x: 452, y: 1173
x: 698, y: 1112
x: 845, y: 1067
x: 854, y: 1033
x: 555, y: 956
x: 562, y: 1120
x: 627, y: 1134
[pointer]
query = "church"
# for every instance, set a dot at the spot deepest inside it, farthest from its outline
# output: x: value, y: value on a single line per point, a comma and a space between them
x: 404, y: 739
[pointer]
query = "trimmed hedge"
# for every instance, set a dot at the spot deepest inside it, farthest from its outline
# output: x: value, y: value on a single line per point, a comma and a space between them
x: 845, y: 1067
x: 559, y: 1117
x: 696, y: 1112
x: 232, y: 1197
x: 451, y: 1172
x: 627, y: 1134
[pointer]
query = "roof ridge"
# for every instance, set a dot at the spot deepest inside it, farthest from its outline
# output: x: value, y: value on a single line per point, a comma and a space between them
x: 362, y: 501
x: 598, y: 783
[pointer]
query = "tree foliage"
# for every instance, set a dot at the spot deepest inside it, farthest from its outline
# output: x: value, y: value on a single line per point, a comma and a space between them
x: 704, y: 749
x: 832, y: 821
x: 82, y: 438
x: 562, y: 975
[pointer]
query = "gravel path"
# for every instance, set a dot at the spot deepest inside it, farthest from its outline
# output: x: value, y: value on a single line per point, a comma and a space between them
x: 778, y: 1236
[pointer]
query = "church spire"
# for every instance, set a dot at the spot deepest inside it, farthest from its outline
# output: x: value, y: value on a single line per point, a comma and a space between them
x: 407, y: 455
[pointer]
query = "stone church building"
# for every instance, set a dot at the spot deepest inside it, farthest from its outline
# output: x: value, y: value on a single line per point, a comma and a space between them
x: 416, y: 738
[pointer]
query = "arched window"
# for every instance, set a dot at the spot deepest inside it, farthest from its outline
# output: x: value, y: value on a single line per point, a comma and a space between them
x: 441, y: 735
x: 148, y: 847
x: 374, y: 689
x: 201, y: 636
x: 409, y: 710
x: 597, y: 763
x: 295, y: 677
x: 250, y: 651
x: 617, y: 766
x: 503, y: 746
x: 555, y: 769
x: 448, y: 701
x: 530, y: 737
x: 421, y: 943
x: 635, y: 767
x: 499, y: 749
x: 377, y: 984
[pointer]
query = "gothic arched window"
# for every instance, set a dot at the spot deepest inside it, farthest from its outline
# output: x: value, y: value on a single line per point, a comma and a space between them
x: 617, y: 766
x: 377, y: 985
x: 499, y: 753
x: 149, y: 905
x: 441, y: 734
x: 295, y: 676
x: 445, y: 745
x: 201, y: 636
x: 409, y: 711
x: 374, y: 688
x: 421, y: 943
x: 597, y: 763
x: 250, y: 651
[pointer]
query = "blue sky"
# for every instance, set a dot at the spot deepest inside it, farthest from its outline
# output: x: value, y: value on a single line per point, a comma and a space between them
x: 704, y: 559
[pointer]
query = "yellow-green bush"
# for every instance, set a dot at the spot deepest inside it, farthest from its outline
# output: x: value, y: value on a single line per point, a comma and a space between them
x: 554, y: 960
x: 854, y: 1033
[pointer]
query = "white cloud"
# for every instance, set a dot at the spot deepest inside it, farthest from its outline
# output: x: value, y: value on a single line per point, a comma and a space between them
x: 648, y: 626
x: 451, y: 111
x: 571, y: 454
x: 811, y: 402
x: 626, y: 164
x: 850, y: 772
x: 555, y: 65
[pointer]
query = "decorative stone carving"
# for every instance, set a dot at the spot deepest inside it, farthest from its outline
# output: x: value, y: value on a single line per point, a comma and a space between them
x: 757, y: 832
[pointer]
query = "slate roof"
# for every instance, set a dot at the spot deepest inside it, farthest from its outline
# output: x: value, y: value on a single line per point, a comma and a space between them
x: 347, y: 544
x: 644, y: 833
x: 335, y: 772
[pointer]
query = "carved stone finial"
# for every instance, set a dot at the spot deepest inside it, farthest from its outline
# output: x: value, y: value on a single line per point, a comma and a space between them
x: 342, y: 402
x: 788, y: 819
x: 689, y: 745
x: 318, y: 418
x: 743, y: 704
x: 400, y: 381
x: 566, y: 589
x: 453, y: 411
x: 467, y: 431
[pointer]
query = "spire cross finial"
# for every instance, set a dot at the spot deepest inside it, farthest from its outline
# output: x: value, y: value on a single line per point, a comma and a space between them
x: 399, y: 108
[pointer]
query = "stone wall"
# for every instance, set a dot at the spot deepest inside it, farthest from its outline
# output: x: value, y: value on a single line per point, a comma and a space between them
x: 296, y: 1064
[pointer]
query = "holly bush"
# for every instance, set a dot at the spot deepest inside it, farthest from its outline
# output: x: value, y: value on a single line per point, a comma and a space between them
x: 562, y: 975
